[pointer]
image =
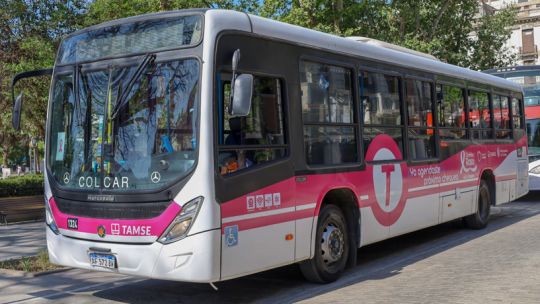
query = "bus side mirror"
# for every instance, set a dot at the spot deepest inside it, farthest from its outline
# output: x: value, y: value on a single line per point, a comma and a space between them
x: 17, y: 107
x: 243, y: 92
x: 17, y: 102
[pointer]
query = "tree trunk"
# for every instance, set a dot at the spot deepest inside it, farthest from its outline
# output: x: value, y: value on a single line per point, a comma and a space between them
x: 5, y: 156
x: 440, y: 13
x: 338, y: 9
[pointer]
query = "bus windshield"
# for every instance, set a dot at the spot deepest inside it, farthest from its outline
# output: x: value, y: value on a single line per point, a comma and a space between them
x: 132, y: 38
x: 119, y: 129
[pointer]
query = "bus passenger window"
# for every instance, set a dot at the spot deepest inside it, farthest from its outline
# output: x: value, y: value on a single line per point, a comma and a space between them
x: 517, y: 113
x: 501, y: 116
x: 326, y: 93
x: 418, y: 95
x: 258, y: 138
x: 451, y: 112
x: 327, y: 110
x: 517, y: 118
x: 479, y: 115
x: 380, y: 99
x: 380, y: 107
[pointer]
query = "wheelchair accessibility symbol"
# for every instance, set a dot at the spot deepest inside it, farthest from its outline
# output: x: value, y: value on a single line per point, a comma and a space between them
x: 231, y: 235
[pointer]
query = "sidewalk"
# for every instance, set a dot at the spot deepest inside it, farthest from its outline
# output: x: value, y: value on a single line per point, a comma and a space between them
x: 21, y: 240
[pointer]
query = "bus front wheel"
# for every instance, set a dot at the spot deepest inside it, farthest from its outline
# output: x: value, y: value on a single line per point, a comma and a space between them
x: 331, y: 247
x: 480, y: 218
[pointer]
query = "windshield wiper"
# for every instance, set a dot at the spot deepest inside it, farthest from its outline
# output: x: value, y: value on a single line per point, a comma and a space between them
x: 122, y: 101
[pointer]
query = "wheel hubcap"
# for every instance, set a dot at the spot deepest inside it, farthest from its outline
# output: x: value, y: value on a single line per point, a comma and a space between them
x: 332, y: 244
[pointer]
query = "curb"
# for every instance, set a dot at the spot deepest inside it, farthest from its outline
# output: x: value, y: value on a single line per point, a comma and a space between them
x: 22, y: 222
x: 24, y: 274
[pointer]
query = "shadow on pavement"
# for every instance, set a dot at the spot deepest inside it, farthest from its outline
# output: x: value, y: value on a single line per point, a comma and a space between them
x: 286, y: 284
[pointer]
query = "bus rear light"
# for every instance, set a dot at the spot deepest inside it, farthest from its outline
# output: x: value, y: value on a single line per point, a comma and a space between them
x: 179, y: 227
x: 49, y: 218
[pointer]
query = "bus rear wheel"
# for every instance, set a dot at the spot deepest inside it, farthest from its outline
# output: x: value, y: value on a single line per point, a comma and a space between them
x: 331, y: 247
x: 480, y: 218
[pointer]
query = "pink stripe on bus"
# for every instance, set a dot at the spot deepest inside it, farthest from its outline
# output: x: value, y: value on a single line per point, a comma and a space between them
x: 117, y: 227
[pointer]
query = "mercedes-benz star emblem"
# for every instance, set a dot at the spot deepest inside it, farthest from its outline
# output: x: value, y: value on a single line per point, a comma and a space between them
x: 155, y: 177
x: 66, y: 178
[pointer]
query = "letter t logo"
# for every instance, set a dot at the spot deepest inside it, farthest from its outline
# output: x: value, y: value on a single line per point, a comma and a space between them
x: 387, y: 170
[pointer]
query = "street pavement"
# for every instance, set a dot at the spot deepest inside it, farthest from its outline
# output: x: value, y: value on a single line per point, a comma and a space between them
x: 17, y: 240
x: 442, y: 264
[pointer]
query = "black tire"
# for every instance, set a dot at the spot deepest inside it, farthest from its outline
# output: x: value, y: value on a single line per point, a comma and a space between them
x: 331, y: 247
x: 480, y: 218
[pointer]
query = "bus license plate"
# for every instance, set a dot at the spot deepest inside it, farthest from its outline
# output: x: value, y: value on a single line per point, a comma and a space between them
x: 102, y: 260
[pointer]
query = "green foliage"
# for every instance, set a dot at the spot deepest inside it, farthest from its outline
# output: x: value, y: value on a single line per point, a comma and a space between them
x: 37, y: 263
x: 30, y: 32
x: 104, y: 10
x: 489, y: 49
x: 24, y: 185
x: 440, y: 28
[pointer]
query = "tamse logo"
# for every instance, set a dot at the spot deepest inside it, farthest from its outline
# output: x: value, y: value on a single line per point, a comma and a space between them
x: 73, y: 223
x: 101, y: 231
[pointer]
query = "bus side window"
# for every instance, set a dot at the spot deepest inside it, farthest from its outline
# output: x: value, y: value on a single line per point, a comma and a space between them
x: 380, y: 108
x: 451, y: 106
x: 258, y: 138
x: 501, y: 116
x: 517, y: 113
x: 419, y: 101
x: 517, y: 118
x: 480, y: 115
x: 328, y: 114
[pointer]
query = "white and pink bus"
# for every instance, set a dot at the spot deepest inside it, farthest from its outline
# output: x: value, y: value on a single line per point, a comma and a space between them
x: 205, y: 145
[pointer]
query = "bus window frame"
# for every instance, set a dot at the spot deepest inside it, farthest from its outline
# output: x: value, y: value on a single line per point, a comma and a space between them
x: 465, y: 97
x: 504, y: 93
x: 522, y: 118
x: 521, y: 101
x: 435, y: 127
x: 404, y: 149
x: 352, y: 67
x: 285, y: 112
x: 481, y: 89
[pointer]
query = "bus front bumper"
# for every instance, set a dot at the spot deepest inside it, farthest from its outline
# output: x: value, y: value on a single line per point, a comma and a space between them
x: 195, y: 258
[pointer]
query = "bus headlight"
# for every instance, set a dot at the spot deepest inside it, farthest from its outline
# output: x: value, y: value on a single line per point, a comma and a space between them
x: 179, y: 227
x: 49, y: 219
x: 535, y: 170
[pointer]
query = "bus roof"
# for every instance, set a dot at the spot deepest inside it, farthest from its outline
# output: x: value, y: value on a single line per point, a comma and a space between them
x: 299, y: 35
x: 312, y: 38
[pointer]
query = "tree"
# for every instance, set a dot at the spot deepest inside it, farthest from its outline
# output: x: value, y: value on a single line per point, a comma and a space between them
x: 489, y: 46
x: 440, y: 28
x: 105, y: 10
x: 30, y: 32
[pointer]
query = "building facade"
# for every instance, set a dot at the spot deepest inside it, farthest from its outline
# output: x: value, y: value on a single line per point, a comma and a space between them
x: 526, y: 29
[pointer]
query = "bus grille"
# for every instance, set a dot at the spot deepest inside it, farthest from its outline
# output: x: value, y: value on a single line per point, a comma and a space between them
x: 107, y: 210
